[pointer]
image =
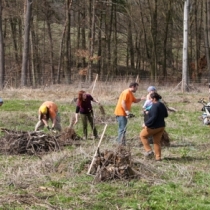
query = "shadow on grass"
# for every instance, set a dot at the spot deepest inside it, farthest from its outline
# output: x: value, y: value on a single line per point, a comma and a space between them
x: 183, y: 145
x: 185, y: 159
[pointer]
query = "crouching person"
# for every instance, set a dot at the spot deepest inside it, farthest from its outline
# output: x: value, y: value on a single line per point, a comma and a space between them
x: 48, y: 110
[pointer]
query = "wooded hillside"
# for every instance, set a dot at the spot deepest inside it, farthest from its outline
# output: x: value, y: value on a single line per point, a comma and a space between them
x: 61, y: 41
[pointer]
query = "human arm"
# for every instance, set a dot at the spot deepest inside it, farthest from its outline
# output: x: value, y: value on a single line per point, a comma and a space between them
x: 139, y: 99
x: 44, y: 119
x: 45, y: 123
x: 96, y: 101
x: 76, y: 114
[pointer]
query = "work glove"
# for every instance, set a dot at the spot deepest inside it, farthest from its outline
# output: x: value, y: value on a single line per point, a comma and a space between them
x: 130, y: 115
x: 53, y: 130
x: 127, y: 113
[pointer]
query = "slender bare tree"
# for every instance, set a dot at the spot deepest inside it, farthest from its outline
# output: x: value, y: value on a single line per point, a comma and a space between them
x: 2, y: 68
x: 26, y: 43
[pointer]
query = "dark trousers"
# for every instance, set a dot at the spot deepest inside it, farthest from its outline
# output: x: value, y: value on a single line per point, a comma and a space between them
x: 88, y: 118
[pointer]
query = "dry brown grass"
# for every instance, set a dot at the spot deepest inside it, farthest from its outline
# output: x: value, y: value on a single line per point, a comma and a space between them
x: 106, y: 92
x: 32, y: 175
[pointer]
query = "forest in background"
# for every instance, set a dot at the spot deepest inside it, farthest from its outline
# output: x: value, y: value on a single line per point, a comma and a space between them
x: 63, y: 41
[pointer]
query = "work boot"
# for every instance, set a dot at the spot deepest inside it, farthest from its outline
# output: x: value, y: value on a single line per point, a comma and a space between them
x: 149, y: 155
x: 84, y: 138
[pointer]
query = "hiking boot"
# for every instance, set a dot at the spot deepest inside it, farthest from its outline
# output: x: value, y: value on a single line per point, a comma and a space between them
x: 149, y: 155
x: 158, y: 160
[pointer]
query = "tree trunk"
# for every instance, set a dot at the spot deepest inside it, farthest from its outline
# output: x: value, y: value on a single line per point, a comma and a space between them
x: 92, y: 38
x: 67, y: 68
x: 207, y: 34
x: 64, y: 34
x: 168, y: 20
x: 153, y: 14
x: 185, y: 48
x: 2, y: 67
x: 52, y: 72
x: 26, y: 43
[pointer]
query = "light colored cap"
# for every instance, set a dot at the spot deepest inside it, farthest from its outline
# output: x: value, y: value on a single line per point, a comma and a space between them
x: 1, y: 100
x: 151, y: 88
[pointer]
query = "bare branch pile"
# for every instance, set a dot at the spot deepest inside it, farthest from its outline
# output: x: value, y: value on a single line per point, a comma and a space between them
x: 21, y: 142
x: 102, y: 110
x: 113, y: 165
x: 35, y: 143
x: 165, y: 140
x: 68, y: 136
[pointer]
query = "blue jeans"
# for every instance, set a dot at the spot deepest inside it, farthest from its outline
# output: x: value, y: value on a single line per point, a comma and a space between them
x: 122, y: 122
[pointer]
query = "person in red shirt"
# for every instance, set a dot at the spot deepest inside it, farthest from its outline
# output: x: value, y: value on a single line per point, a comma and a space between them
x: 84, y: 108
x: 48, y: 110
x: 122, y: 110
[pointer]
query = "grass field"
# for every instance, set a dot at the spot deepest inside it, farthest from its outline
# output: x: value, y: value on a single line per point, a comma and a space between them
x: 59, y: 180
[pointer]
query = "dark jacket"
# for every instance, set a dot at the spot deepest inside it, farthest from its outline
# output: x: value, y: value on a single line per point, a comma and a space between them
x: 157, y: 113
x: 86, y: 106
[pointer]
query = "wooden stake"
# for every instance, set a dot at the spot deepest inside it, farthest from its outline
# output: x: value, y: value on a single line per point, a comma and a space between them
x: 137, y: 78
x: 99, y: 143
x: 94, y: 84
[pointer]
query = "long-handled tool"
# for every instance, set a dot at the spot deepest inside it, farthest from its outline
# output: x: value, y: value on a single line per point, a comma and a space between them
x: 99, y: 143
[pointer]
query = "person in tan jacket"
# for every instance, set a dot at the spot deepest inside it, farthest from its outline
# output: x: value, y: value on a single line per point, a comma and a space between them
x: 48, y: 110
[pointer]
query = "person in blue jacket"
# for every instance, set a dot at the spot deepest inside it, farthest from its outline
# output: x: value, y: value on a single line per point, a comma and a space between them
x: 147, y: 106
x: 1, y: 102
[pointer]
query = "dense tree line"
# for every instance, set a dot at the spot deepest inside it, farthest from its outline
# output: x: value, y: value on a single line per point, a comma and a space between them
x: 59, y: 41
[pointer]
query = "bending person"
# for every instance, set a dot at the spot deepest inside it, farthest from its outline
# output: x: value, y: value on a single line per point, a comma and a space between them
x: 48, y: 110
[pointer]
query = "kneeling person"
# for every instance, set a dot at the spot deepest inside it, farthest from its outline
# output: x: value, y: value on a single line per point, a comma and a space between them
x: 48, y: 110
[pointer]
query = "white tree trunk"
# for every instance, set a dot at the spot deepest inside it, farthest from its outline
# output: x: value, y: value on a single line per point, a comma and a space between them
x: 185, y: 47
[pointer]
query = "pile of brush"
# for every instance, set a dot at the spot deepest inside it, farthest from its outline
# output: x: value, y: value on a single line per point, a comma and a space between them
x: 165, y: 140
x: 113, y: 165
x: 31, y: 143
x: 35, y: 143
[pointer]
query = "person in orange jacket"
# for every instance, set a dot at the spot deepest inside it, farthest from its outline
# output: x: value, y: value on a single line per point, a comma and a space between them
x: 123, y: 108
x: 48, y: 110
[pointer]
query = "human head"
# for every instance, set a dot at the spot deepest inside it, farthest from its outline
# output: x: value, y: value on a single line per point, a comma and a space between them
x: 81, y: 96
x: 133, y: 86
x: 43, y: 109
x: 1, y: 101
x: 151, y: 89
x: 155, y: 96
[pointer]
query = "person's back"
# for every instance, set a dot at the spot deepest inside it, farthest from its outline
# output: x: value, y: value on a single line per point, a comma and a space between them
x: 157, y: 114
x: 48, y: 110
x: 52, y: 108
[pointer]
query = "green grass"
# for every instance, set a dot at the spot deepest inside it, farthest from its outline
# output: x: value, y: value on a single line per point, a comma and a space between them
x: 59, y: 180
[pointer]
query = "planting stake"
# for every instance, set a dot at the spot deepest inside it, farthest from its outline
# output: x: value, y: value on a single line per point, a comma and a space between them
x: 99, y: 143
x: 94, y: 84
x: 137, y: 78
